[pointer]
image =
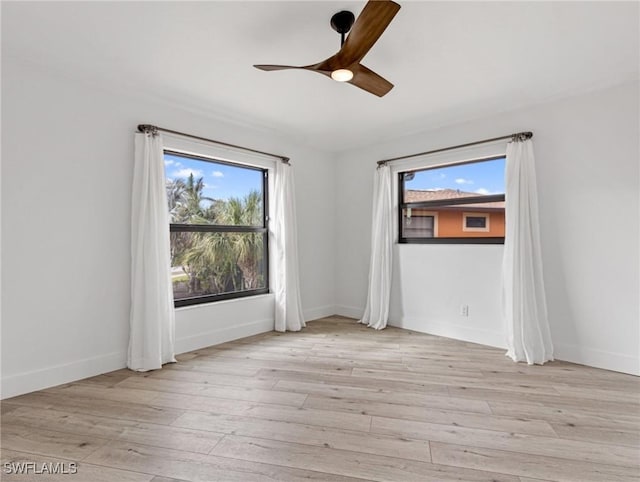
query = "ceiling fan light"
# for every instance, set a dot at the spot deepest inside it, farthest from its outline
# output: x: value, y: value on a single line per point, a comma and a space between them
x: 342, y: 75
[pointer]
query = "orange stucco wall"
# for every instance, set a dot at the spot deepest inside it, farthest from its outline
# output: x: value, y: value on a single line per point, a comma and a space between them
x: 449, y: 223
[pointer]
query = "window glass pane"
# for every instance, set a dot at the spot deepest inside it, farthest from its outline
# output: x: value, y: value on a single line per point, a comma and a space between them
x: 417, y: 225
x: 452, y: 182
x: 476, y: 221
x: 457, y: 201
x: 208, y: 192
x: 206, y: 263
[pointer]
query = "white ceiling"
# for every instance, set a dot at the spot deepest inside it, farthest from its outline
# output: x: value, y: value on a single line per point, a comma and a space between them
x: 449, y: 61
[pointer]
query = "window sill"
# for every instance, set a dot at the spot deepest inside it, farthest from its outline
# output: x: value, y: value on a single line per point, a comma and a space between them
x: 453, y: 241
x: 243, y: 299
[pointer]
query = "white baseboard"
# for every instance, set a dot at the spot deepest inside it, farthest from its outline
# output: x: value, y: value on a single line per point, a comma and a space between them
x: 597, y: 358
x: 222, y: 335
x: 14, y: 385
x: 320, y: 312
x: 562, y: 351
x: 22, y: 383
x: 447, y: 330
x: 349, y: 311
x: 27, y: 382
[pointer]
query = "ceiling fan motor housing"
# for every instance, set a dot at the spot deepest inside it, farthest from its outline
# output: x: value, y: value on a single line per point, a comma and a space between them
x: 342, y: 21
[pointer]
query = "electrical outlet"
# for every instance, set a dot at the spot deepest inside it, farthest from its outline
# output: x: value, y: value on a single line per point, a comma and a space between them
x: 464, y: 310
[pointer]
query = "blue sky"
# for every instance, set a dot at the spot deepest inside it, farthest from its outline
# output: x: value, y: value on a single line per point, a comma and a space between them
x: 221, y: 180
x: 480, y: 177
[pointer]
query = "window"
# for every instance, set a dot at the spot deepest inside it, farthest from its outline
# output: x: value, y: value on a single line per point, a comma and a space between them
x: 218, y: 215
x: 420, y: 224
x: 476, y: 222
x: 456, y: 203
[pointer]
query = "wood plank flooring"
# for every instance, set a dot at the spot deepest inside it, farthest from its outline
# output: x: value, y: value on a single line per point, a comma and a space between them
x: 335, y: 402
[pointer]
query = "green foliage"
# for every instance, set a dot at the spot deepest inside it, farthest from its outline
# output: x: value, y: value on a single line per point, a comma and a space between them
x: 214, y: 262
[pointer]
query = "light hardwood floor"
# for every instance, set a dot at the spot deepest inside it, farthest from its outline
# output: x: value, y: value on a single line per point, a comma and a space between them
x: 335, y: 402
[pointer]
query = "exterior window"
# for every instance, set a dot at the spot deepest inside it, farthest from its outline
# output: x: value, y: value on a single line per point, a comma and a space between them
x: 218, y: 215
x: 418, y: 223
x: 476, y: 222
x: 457, y: 203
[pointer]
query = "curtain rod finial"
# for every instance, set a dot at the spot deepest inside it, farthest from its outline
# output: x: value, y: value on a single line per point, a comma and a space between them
x: 522, y: 136
x: 147, y: 129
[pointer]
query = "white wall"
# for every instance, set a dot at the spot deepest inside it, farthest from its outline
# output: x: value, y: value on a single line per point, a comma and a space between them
x: 65, y: 273
x: 587, y: 152
x: 67, y: 157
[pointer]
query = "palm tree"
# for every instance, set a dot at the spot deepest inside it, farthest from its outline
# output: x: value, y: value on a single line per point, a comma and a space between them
x: 241, y: 212
x: 175, y: 196
x: 247, y: 247
x: 189, y: 208
x: 216, y: 262
x: 230, y: 252
x: 208, y: 261
x: 185, y: 200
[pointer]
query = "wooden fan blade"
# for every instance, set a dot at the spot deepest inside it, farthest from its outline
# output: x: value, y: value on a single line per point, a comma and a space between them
x: 370, y: 81
x: 269, y: 68
x: 326, y: 66
x: 372, y: 21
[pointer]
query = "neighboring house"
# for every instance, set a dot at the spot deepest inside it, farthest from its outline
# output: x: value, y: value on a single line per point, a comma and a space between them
x: 455, y: 221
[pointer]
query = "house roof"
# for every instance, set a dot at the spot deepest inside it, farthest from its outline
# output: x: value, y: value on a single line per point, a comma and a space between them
x: 421, y: 195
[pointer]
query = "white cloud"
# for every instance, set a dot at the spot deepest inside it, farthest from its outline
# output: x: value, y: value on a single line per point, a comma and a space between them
x: 462, y: 180
x: 483, y: 191
x: 217, y: 174
x: 187, y: 172
x: 168, y: 162
x: 442, y: 175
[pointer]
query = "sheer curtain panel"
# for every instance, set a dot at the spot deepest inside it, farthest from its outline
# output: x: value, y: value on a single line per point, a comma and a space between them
x: 288, y: 307
x: 152, y: 320
x: 524, y: 303
x: 376, y: 313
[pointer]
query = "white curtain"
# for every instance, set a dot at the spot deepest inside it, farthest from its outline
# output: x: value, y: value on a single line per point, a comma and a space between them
x: 151, y: 338
x: 524, y: 303
x: 376, y: 313
x: 288, y: 314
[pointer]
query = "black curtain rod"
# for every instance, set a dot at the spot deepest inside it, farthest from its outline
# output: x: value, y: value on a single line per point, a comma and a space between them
x: 516, y: 136
x: 152, y: 129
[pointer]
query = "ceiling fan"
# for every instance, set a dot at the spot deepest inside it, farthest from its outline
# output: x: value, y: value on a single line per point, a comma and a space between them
x: 345, y: 66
